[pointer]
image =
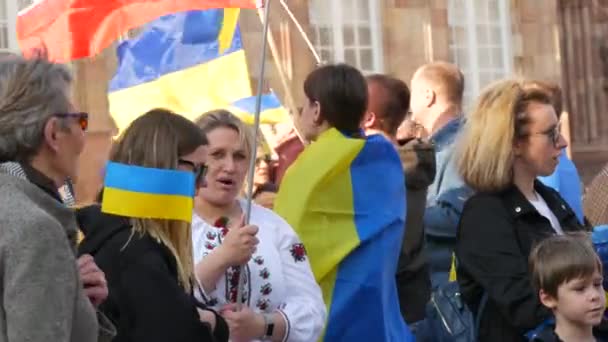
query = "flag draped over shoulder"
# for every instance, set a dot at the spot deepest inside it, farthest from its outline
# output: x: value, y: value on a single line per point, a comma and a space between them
x: 135, y: 191
x: 179, y: 63
x: 72, y: 29
x: 345, y: 198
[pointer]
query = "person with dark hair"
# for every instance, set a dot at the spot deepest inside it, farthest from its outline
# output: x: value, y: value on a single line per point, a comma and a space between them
x: 389, y: 102
x: 336, y: 97
x: 567, y: 276
x: 345, y: 197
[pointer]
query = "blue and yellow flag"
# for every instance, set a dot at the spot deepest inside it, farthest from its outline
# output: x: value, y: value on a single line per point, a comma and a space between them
x: 188, y: 62
x: 135, y: 191
x: 271, y: 109
x: 345, y: 198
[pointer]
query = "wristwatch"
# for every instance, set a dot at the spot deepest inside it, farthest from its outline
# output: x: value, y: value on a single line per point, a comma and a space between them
x: 269, y: 326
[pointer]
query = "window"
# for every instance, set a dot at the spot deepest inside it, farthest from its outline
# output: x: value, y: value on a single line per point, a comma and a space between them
x: 480, y: 45
x: 8, y: 24
x: 348, y: 31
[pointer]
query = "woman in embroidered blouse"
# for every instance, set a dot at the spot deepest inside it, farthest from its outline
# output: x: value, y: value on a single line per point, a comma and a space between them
x: 282, y: 301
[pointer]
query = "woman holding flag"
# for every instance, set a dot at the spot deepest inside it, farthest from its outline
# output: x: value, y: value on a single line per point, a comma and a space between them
x: 281, y: 300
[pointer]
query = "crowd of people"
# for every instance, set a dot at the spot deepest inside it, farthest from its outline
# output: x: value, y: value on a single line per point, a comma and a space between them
x: 475, y: 208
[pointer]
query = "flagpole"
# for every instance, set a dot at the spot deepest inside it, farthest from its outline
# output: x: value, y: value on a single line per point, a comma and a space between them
x: 295, y: 21
x: 256, y: 127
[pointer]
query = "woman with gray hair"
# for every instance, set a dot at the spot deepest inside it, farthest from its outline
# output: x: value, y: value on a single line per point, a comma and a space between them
x: 41, y: 136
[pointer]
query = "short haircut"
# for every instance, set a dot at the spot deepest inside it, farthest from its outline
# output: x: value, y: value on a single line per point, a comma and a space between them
x: 447, y: 76
x: 341, y: 91
x: 393, y: 104
x: 553, y: 90
x: 31, y: 92
x: 561, y: 258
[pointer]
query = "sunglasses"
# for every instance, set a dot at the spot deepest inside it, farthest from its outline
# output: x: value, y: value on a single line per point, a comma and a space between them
x: 198, y: 170
x: 82, y: 117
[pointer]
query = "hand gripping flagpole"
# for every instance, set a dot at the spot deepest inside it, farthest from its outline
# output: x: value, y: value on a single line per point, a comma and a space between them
x: 256, y: 127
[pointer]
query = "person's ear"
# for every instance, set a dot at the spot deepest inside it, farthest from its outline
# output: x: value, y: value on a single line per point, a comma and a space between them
x: 547, y: 300
x: 430, y: 97
x: 317, y: 117
x: 51, y: 132
x: 369, y: 120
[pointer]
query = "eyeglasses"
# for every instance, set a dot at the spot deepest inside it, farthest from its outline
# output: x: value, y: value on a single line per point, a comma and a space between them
x: 83, y: 118
x: 263, y: 158
x: 199, y: 170
x: 554, y: 134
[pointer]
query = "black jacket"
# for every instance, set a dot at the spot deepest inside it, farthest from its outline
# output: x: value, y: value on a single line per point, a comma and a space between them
x: 495, y: 236
x: 145, y: 301
x: 413, y: 277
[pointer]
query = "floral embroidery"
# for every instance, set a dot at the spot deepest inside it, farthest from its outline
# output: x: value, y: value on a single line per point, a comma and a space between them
x: 259, y: 260
x: 232, y: 285
x: 263, y: 304
x: 264, y: 273
x: 233, y: 280
x: 298, y: 252
x: 266, y: 289
x: 222, y: 223
x: 209, y: 245
x: 211, y: 235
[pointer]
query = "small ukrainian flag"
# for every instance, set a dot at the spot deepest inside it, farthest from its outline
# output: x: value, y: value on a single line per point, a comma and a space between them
x: 141, y: 192
x: 271, y: 109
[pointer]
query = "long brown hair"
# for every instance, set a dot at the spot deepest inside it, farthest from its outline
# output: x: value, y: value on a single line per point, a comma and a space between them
x: 157, y: 139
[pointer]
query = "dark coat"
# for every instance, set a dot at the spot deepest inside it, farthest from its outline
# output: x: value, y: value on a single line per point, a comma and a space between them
x: 413, y: 278
x: 495, y: 236
x: 145, y: 299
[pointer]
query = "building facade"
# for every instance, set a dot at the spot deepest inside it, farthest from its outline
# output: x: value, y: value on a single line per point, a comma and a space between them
x: 554, y: 40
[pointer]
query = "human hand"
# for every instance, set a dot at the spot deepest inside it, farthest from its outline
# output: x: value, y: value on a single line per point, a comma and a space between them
x: 207, y: 316
x: 239, y: 244
x: 93, y: 280
x: 244, y: 324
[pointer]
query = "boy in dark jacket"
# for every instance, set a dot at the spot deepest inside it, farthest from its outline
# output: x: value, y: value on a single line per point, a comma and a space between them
x: 567, y: 273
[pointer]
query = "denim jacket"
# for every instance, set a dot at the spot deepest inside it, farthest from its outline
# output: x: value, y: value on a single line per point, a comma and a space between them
x: 445, y: 200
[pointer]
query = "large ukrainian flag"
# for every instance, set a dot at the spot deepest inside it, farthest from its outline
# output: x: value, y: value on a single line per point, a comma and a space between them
x: 188, y: 62
x: 345, y: 198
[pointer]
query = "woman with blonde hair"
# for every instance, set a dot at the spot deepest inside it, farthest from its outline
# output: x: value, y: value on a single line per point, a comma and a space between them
x: 148, y: 262
x: 511, y: 137
x: 281, y: 300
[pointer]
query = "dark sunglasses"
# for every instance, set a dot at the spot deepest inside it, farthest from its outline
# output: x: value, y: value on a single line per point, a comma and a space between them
x: 198, y: 170
x: 82, y: 117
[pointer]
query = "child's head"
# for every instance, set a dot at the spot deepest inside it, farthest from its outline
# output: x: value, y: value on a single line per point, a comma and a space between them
x: 567, y: 273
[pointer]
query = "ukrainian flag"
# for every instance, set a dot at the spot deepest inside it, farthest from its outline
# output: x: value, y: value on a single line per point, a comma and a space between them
x: 345, y: 198
x: 271, y: 109
x: 188, y: 62
x: 135, y: 191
